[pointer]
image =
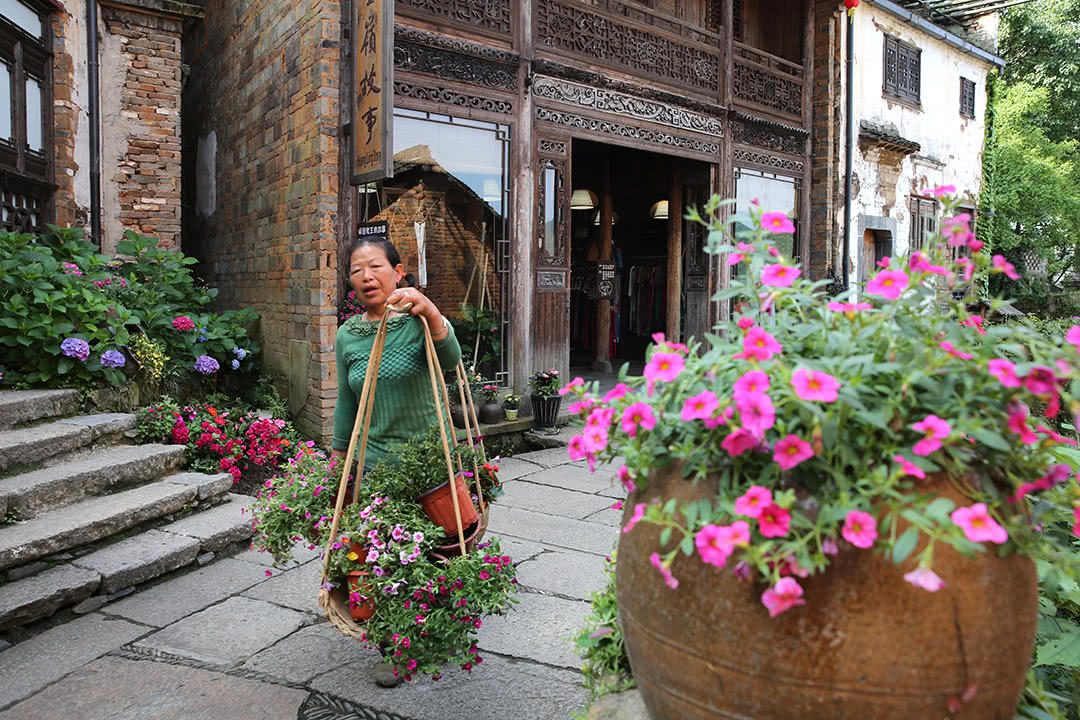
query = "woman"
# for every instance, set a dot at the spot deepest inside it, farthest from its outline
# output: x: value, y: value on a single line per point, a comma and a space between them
x: 403, y: 407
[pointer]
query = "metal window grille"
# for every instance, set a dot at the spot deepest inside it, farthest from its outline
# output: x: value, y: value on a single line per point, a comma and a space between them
x: 967, y: 98
x: 903, y: 70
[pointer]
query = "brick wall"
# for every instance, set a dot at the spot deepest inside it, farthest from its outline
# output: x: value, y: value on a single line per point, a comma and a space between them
x: 264, y: 80
x: 826, y: 199
x: 141, y: 99
x: 65, y: 126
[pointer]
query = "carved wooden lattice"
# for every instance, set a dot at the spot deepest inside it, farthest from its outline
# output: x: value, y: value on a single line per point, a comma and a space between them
x: 557, y: 215
x: 767, y: 82
x: 489, y: 14
x: 423, y: 52
x: 20, y: 212
x: 446, y: 96
x: 770, y: 136
x: 576, y: 30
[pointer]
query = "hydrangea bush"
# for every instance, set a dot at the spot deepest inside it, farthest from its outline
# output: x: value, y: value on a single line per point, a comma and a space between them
x: 825, y: 422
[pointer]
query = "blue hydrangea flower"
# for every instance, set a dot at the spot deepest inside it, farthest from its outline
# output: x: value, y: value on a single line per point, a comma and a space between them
x: 76, y: 348
x: 240, y: 353
x: 206, y: 365
x: 235, y: 364
x: 113, y: 359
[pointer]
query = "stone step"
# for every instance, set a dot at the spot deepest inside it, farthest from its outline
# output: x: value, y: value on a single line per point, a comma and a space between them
x: 41, y: 595
x: 35, y: 444
x: 219, y: 527
x: 101, y: 471
x: 139, y: 558
x: 23, y: 406
x: 100, y: 517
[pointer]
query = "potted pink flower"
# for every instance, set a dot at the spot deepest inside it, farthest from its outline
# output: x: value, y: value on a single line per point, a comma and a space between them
x: 833, y: 504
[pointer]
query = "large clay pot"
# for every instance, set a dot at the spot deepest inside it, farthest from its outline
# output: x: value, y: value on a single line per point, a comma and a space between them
x: 439, y: 505
x: 490, y: 413
x: 457, y: 415
x: 865, y: 645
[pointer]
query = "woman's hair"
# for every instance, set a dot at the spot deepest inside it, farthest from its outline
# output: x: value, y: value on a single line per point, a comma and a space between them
x: 391, y: 252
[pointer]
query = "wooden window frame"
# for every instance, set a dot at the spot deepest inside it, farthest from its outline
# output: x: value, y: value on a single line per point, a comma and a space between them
x: 921, y: 207
x: 967, y: 98
x: 904, y: 80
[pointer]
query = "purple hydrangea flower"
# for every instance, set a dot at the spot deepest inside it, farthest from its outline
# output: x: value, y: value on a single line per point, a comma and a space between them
x: 240, y: 353
x: 76, y: 348
x: 206, y: 365
x: 235, y: 364
x: 113, y: 359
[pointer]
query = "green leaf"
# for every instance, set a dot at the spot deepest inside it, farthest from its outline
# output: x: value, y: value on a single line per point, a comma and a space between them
x: 64, y: 365
x: 940, y: 508
x: 990, y: 439
x: 905, y: 544
x: 665, y: 536
x: 1063, y: 650
x: 687, y: 546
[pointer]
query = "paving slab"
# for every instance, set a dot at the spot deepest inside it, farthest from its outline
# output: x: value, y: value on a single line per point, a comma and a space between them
x: 104, y: 423
x: 22, y: 406
x: 30, y: 445
x: 115, y: 688
x: 552, y: 530
x: 207, y: 485
x: 573, y: 477
x: 554, y: 500
x: 539, y: 628
x: 550, y: 457
x: 218, y: 527
x: 609, y: 516
x: 89, y: 520
x: 570, y: 574
x: 311, y: 651
x: 518, y: 550
x: 302, y: 553
x: 45, y: 658
x: 100, y: 471
x: 626, y: 705
x: 179, y: 597
x: 41, y: 595
x: 511, y: 468
x: 139, y: 558
x: 297, y: 588
x: 229, y: 633
x: 499, y: 689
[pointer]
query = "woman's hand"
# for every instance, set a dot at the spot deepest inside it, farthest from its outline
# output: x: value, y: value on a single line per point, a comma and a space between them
x: 421, y: 306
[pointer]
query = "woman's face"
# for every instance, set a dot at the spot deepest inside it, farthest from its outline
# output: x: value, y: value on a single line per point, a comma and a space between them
x: 372, y: 275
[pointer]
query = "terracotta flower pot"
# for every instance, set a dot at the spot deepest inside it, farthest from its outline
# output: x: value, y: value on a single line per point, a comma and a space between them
x: 358, y: 583
x: 490, y: 413
x: 865, y: 645
x: 439, y: 505
x: 473, y: 535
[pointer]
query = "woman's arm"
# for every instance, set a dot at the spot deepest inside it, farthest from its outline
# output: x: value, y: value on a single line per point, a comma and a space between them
x: 446, y: 344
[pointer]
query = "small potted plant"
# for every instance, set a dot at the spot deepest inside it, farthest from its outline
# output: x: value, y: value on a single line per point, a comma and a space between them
x: 511, y: 403
x: 546, y: 396
x: 490, y: 412
x: 841, y: 487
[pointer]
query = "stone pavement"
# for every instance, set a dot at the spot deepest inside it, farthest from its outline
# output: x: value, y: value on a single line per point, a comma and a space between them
x: 225, y: 641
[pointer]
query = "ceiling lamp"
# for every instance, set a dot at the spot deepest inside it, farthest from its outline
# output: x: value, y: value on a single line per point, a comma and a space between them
x: 614, y: 218
x: 659, y: 210
x: 583, y: 200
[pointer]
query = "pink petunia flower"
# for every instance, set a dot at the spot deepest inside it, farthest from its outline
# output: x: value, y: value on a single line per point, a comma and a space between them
x: 745, y: 323
x: 700, y: 406
x: 942, y: 190
x: 781, y: 597
x: 664, y: 367
x: 623, y: 473
x: 600, y: 417
x: 1053, y: 436
x: 791, y: 451
x: 920, y: 263
x: 948, y: 347
x: 774, y: 521
x: 975, y: 321
x: 829, y: 546
x: 735, y: 258
x: 884, y: 262
x: 1018, y: 424
x: 617, y: 392
x: 925, y: 578
x: 720, y: 418
x: 908, y: 467
x: 1005, y: 372
x: 889, y: 284
x: 576, y: 448
x: 968, y: 267
x: 716, y: 543
x: 815, y: 385
x: 1003, y: 265
x: 638, y: 415
x: 848, y: 307
x: 777, y: 222
x: 751, y: 502
x: 935, y: 429
x: 639, y: 513
x: 739, y: 441
x: 958, y: 230
x: 860, y: 529
x: 756, y: 412
x: 576, y: 382
x: 670, y: 579
x: 975, y: 245
x: 977, y: 524
x: 1073, y: 336
x: 759, y: 345
x: 582, y: 406
x: 596, y: 439
x: 754, y: 381
x: 1041, y: 380
x: 777, y: 275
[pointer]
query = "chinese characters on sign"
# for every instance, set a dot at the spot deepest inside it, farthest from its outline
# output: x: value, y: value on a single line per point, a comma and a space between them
x: 373, y: 90
x: 605, y: 276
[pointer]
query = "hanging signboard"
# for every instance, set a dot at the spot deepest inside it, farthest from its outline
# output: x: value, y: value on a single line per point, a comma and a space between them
x: 373, y: 90
x: 605, y: 280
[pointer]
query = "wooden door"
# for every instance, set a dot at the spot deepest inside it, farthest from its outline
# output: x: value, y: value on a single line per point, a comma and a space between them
x: 551, y: 304
x: 695, y: 262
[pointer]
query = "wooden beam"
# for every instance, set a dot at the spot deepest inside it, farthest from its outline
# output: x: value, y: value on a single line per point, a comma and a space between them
x: 674, y: 259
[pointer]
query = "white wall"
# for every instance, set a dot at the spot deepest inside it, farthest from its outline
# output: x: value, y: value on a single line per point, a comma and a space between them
x: 75, y: 46
x: 951, y: 145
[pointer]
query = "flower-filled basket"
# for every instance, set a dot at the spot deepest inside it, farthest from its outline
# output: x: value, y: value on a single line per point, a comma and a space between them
x: 833, y: 505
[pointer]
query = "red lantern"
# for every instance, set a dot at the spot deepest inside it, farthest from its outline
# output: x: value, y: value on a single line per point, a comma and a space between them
x: 851, y: 5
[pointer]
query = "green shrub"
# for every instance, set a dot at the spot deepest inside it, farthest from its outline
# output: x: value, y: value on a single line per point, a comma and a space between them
x: 600, y: 643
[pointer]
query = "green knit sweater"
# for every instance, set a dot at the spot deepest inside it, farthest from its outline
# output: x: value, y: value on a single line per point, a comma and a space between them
x: 404, y: 407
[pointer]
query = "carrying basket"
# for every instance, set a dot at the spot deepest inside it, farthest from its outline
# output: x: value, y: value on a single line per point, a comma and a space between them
x: 335, y: 603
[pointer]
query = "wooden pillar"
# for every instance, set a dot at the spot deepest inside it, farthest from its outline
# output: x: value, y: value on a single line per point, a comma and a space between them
x: 523, y: 232
x: 674, y: 258
x: 602, y: 358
